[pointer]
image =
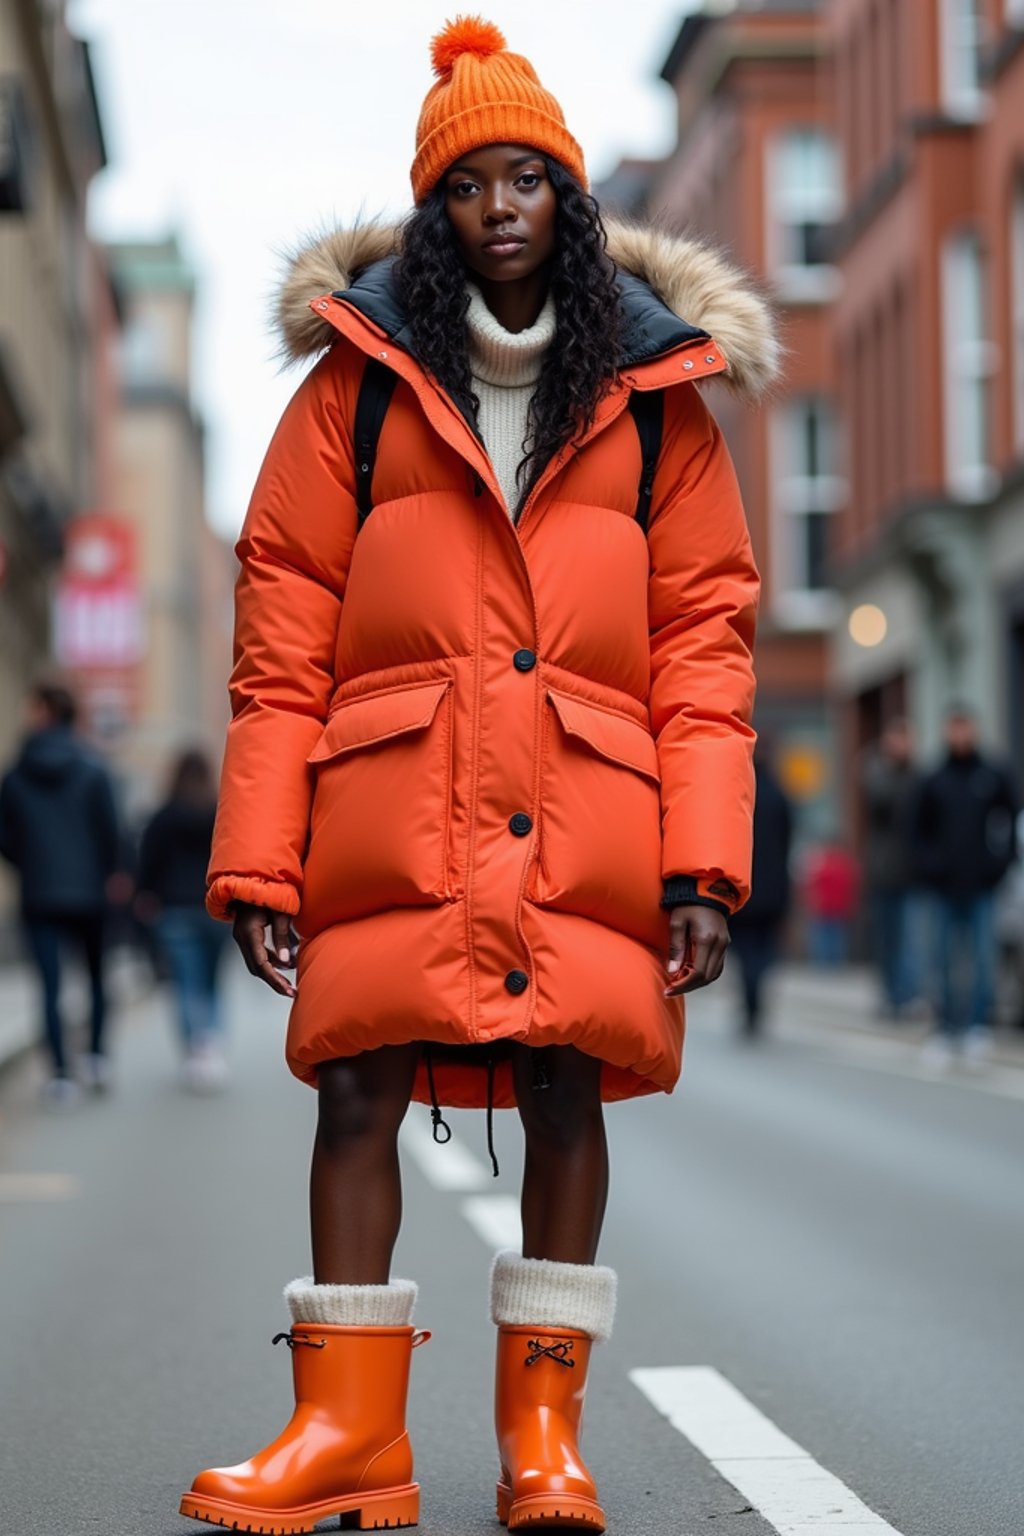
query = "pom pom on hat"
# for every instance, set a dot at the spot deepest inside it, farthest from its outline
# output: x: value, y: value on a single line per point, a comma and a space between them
x: 466, y: 34
x: 484, y: 94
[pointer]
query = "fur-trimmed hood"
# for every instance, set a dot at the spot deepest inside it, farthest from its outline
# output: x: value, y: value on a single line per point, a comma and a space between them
x: 693, y: 281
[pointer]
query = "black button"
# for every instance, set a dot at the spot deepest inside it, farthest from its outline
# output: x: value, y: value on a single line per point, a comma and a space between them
x: 524, y: 660
x: 517, y: 981
x: 520, y: 824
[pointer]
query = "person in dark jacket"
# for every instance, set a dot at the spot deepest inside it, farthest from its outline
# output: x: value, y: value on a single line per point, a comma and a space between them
x: 965, y: 841
x: 58, y: 827
x: 755, y: 928
x: 173, y: 859
x: 891, y: 784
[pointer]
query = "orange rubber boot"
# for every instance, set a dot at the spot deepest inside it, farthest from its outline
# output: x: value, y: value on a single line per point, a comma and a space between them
x: 345, y: 1450
x: 540, y: 1385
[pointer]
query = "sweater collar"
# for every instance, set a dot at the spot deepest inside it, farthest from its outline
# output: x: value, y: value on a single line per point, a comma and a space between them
x: 509, y: 358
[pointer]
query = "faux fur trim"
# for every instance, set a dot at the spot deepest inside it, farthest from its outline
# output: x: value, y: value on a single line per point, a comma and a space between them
x: 327, y: 263
x: 544, y: 1294
x: 352, y: 1306
x: 695, y: 282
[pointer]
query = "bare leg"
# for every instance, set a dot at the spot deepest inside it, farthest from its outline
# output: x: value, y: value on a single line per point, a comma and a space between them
x: 355, y: 1190
x: 565, y: 1175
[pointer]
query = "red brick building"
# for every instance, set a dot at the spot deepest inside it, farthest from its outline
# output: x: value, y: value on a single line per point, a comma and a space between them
x: 929, y: 337
x: 866, y: 159
x: 755, y: 173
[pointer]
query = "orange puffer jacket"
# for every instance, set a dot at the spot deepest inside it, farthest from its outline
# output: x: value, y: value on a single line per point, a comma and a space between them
x: 464, y: 752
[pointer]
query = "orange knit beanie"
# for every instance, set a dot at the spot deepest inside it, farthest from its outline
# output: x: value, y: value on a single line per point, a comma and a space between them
x: 485, y: 95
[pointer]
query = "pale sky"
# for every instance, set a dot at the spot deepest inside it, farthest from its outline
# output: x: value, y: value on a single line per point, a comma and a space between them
x: 245, y: 124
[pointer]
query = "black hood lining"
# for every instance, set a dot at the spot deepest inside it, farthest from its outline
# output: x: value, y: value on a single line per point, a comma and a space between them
x: 651, y: 328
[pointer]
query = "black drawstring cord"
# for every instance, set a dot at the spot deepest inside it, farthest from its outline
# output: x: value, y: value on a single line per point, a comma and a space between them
x: 490, y: 1112
x: 437, y: 1120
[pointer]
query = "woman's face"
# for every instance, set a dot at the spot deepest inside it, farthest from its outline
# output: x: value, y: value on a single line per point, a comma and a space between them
x: 502, y: 209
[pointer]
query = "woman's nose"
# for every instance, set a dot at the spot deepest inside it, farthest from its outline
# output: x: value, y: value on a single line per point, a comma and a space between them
x: 498, y: 207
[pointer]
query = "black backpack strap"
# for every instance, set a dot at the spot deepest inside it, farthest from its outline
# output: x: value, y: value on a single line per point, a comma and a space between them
x: 375, y: 391
x: 647, y: 407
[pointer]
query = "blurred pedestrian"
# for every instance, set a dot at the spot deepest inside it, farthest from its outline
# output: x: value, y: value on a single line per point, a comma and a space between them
x: 965, y: 841
x: 173, y: 859
x: 831, y: 888
x: 756, y: 928
x: 491, y: 742
x: 58, y: 827
x: 890, y: 784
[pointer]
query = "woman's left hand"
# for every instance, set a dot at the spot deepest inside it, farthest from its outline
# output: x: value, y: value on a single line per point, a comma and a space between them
x: 698, y: 940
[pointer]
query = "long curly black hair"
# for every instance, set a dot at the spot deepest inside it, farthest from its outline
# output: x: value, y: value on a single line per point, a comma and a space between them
x: 587, y: 346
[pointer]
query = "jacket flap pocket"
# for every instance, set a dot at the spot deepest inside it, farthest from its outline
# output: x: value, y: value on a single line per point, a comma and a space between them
x: 363, y: 722
x: 612, y: 735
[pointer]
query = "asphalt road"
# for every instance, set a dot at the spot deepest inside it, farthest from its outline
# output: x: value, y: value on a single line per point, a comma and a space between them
x: 838, y: 1236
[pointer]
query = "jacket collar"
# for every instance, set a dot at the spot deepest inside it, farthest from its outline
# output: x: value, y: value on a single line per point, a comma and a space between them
x: 675, y: 292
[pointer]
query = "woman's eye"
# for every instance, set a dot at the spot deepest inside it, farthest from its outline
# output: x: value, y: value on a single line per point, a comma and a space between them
x: 464, y: 188
x: 529, y: 179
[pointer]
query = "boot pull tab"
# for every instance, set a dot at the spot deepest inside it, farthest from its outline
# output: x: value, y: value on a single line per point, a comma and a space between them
x: 421, y: 1337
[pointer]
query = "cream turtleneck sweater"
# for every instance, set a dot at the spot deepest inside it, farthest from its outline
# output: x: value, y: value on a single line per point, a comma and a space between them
x: 506, y: 366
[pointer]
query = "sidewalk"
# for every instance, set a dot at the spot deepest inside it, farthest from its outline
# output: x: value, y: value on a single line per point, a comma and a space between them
x: 847, y: 999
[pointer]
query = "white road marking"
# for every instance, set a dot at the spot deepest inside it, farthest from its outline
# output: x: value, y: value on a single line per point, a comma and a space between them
x: 784, y: 1484
x: 16, y: 1188
x: 496, y: 1219
x: 448, y: 1165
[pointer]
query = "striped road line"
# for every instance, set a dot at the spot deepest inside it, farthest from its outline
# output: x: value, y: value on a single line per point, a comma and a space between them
x: 19, y: 1188
x: 778, y: 1477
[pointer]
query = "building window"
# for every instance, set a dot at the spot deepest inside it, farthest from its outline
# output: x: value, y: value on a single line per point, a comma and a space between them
x: 145, y: 350
x: 1017, y: 309
x: 808, y: 490
x: 967, y: 364
x: 804, y: 201
x: 961, y: 57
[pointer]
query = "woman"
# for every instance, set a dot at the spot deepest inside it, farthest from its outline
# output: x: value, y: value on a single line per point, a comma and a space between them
x: 173, y: 856
x: 451, y: 718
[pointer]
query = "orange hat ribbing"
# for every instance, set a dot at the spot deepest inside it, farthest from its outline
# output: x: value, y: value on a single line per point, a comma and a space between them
x: 485, y: 95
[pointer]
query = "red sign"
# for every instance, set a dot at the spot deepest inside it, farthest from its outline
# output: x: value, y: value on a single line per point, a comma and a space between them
x: 98, y: 617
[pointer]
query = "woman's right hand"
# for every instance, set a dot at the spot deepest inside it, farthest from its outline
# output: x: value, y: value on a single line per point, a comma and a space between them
x: 266, y: 962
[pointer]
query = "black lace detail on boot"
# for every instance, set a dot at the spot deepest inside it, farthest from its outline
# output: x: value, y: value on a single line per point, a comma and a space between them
x: 559, y: 1352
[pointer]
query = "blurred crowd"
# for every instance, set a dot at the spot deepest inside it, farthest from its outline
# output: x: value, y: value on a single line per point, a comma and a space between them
x: 87, y: 880
x: 931, y: 892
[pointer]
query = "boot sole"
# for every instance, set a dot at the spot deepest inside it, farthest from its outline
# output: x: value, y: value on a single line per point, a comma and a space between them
x: 386, y: 1510
x: 554, y: 1510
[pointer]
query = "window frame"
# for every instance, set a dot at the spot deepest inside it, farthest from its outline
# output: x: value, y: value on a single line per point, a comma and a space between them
x: 796, y: 280
x: 797, y: 494
x: 961, y: 36
x: 968, y: 363
x: 1016, y: 267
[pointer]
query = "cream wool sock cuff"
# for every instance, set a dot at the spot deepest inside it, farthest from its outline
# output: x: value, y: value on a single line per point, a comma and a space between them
x: 352, y: 1306
x: 545, y: 1294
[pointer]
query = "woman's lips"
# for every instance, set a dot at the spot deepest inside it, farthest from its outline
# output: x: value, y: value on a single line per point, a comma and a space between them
x: 508, y: 247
